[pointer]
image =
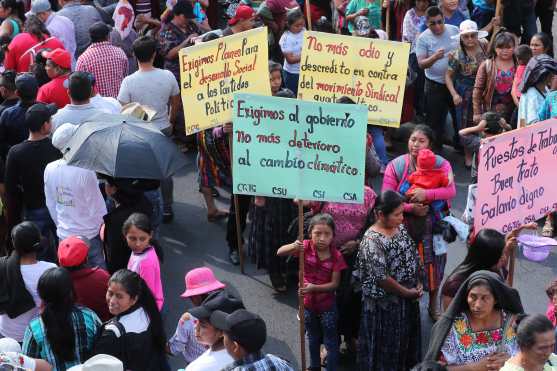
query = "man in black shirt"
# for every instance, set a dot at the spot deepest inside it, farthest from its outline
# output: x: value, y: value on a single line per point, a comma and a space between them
x: 24, y: 176
x: 12, y: 125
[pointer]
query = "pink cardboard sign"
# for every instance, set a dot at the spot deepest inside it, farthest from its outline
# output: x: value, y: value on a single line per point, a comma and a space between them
x: 517, y: 177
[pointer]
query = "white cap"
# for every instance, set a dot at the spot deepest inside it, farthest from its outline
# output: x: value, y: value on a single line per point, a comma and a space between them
x: 62, y: 136
x: 469, y: 26
x: 9, y: 345
x: 100, y: 362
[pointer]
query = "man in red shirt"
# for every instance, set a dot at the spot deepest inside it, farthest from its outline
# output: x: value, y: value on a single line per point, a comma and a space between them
x: 90, y: 284
x: 58, y: 68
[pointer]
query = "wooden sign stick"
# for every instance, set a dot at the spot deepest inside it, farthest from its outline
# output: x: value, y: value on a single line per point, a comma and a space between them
x: 301, y: 284
x: 239, y: 240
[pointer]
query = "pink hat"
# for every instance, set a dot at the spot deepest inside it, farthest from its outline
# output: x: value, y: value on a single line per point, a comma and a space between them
x: 201, y: 281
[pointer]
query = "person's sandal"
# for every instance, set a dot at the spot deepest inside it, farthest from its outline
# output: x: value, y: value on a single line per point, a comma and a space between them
x: 547, y: 230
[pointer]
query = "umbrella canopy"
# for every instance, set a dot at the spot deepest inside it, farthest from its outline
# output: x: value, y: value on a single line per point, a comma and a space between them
x: 123, y: 147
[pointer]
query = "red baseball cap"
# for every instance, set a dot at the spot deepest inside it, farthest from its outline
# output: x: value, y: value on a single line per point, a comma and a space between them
x: 61, y: 57
x: 243, y: 12
x: 72, y: 252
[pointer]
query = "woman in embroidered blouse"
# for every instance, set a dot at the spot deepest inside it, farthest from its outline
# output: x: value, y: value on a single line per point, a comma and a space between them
x: 536, y: 339
x: 417, y: 213
x: 477, y: 331
x: 388, y: 266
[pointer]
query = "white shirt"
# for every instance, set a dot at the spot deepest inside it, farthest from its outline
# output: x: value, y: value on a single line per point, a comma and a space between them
x: 15, y: 327
x: 211, y: 361
x: 292, y: 43
x: 73, y: 199
x: 106, y: 104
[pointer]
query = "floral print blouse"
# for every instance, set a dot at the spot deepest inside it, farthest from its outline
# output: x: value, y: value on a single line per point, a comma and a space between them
x: 464, y: 65
x: 463, y: 345
x: 381, y: 256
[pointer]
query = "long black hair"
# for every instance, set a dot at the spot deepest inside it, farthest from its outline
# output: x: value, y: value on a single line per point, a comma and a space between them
x: 136, y: 287
x: 386, y: 203
x: 17, y: 7
x: 142, y: 222
x: 36, y: 27
x: 56, y: 291
x: 26, y: 238
x: 483, y: 253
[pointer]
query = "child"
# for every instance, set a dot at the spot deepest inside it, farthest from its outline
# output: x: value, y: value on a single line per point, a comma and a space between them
x: 275, y: 79
x: 216, y: 357
x: 523, y: 55
x: 200, y: 283
x: 291, y: 46
x: 144, y: 259
x: 491, y: 124
x: 322, y: 266
x: 551, y: 292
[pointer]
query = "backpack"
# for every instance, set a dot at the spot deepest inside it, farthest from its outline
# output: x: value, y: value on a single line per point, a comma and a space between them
x: 34, y: 50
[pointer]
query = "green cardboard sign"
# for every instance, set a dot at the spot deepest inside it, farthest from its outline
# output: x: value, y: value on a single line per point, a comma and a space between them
x: 289, y: 148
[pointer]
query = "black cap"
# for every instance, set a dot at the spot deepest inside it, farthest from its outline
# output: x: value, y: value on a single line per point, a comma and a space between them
x: 38, y: 114
x: 220, y: 300
x: 99, y: 31
x: 243, y: 327
x: 27, y: 84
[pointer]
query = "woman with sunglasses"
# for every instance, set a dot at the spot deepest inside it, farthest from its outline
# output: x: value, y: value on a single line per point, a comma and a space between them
x: 461, y: 73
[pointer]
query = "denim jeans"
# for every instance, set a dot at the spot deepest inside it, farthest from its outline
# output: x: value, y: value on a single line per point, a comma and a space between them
x: 41, y: 217
x: 291, y: 81
x: 379, y: 143
x: 325, y: 324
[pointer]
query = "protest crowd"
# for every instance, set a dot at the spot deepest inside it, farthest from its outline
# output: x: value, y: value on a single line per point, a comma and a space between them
x: 81, y: 283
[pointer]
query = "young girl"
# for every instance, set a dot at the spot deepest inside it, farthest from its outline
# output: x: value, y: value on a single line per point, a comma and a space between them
x: 144, y: 259
x: 494, y: 80
x: 322, y: 266
x: 291, y: 46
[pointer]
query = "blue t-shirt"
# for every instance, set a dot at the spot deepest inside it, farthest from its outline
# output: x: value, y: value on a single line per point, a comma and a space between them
x: 428, y: 43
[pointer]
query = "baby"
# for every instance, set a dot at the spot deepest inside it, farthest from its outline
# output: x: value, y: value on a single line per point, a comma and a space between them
x: 426, y: 175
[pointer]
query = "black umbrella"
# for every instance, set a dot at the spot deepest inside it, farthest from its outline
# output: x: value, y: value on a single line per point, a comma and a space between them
x: 123, y: 147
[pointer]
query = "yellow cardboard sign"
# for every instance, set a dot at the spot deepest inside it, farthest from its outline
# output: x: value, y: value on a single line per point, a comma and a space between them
x: 370, y: 71
x: 212, y: 72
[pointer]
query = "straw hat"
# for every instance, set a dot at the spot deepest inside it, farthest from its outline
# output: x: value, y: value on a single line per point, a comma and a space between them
x: 469, y: 26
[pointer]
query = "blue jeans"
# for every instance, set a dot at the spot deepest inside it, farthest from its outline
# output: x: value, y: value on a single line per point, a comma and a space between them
x: 325, y: 324
x: 379, y: 143
x: 41, y: 218
x: 95, y: 258
x: 291, y: 81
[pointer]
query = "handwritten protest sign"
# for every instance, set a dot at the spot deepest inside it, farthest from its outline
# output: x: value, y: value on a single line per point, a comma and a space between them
x: 293, y: 149
x: 211, y: 72
x: 517, y: 183
x: 370, y: 71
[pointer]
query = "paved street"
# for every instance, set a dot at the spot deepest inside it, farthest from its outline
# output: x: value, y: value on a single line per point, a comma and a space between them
x: 190, y: 241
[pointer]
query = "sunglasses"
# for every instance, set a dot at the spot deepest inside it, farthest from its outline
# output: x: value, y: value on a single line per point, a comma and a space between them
x: 434, y: 23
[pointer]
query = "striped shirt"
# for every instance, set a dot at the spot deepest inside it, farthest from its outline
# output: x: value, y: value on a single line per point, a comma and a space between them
x: 85, y: 324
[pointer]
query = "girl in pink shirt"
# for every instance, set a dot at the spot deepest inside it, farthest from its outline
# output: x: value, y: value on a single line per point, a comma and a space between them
x: 144, y: 259
x: 322, y: 266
